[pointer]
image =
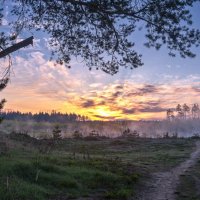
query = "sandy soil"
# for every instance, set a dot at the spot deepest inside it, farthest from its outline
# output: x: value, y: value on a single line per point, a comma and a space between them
x: 163, y: 185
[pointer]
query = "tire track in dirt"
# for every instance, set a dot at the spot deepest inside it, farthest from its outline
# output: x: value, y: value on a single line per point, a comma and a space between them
x: 163, y: 185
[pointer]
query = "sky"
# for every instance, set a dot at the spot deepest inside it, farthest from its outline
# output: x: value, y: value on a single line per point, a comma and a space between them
x: 37, y: 84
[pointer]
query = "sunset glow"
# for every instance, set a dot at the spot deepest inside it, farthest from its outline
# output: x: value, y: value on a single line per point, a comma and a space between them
x: 37, y: 84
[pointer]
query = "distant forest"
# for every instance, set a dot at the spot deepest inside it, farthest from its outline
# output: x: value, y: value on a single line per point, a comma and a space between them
x: 43, y: 116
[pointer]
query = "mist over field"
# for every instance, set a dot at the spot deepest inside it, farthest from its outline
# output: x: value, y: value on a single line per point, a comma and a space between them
x: 152, y: 129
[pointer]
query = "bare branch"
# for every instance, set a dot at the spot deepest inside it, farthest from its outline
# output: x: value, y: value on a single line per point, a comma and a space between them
x: 16, y: 46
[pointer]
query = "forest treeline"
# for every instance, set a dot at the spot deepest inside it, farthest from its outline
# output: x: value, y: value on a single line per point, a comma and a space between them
x: 43, y: 116
x: 184, y: 112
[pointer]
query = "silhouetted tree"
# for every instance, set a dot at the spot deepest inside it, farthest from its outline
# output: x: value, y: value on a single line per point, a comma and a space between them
x: 195, y: 111
x: 6, y: 52
x: 186, y: 109
x: 92, y: 29
x: 170, y: 114
x: 57, y: 133
x: 3, y: 83
x: 179, y: 110
x: 4, y: 41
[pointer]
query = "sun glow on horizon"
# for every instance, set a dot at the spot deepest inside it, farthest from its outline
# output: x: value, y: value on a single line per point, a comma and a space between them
x: 41, y: 86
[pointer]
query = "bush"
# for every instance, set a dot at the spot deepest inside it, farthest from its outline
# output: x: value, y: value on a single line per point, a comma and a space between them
x: 57, y: 133
x: 77, y: 134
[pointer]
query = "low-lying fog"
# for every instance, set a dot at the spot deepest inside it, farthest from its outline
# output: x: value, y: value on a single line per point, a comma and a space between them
x: 182, y: 128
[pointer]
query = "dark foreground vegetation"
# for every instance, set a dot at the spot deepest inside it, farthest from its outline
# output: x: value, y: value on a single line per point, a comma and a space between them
x: 91, y: 167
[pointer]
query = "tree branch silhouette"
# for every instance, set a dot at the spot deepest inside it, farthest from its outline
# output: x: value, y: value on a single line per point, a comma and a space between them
x: 16, y: 47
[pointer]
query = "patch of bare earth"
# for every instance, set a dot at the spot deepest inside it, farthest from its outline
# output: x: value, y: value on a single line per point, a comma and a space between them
x: 162, y: 185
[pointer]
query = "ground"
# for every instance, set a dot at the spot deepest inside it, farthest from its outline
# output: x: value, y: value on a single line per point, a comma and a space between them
x: 89, y: 168
x: 163, y: 185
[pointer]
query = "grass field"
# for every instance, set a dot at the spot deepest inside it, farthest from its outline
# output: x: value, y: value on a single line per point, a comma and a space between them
x: 92, y: 168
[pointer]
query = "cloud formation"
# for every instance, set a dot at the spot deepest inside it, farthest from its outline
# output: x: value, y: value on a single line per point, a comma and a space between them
x: 40, y: 85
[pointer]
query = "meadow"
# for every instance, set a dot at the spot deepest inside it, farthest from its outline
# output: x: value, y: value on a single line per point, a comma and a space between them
x: 92, y: 167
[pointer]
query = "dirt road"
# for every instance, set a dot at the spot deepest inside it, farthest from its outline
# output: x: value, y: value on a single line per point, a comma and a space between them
x: 163, y: 185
